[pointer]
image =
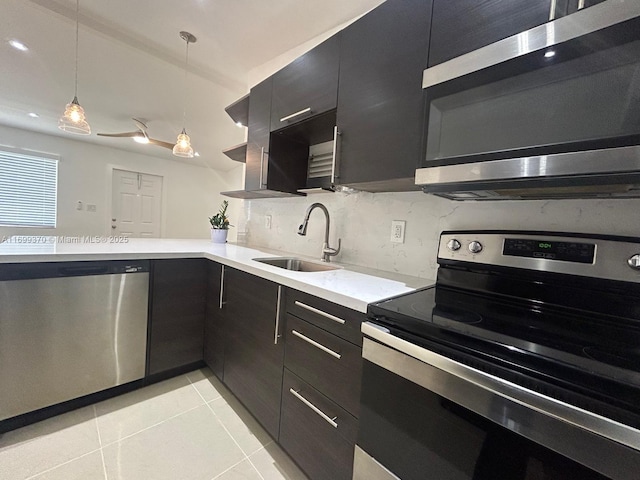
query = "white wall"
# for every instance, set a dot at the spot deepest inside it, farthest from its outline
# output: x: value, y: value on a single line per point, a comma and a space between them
x: 190, y: 192
x: 363, y: 221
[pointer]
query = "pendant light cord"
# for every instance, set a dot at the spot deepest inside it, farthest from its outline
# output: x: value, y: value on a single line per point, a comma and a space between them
x: 75, y: 91
x: 186, y: 68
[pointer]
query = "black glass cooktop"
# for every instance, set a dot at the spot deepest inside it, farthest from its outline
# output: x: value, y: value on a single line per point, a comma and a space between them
x: 595, y: 354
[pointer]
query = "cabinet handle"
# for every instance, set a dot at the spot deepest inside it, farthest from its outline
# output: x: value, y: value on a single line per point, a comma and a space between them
x: 294, y: 115
x: 320, y: 312
x: 262, y: 182
x: 335, y: 164
x: 580, y: 4
x: 221, y: 286
x: 275, y: 335
x: 330, y: 421
x: 316, y: 344
x: 552, y: 10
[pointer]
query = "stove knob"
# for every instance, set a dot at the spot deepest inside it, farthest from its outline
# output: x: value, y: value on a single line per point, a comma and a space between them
x: 453, y: 245
x: 634, y: 261
x: 475, y: 247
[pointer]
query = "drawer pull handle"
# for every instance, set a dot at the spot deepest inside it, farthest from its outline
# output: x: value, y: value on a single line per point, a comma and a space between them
x: 329, y: 420
x: 294, y: 115
x: 316, y: 344
x: 320, y: 312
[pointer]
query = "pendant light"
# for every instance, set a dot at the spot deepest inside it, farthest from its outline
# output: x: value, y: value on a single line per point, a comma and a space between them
x: 183, y: 146
x: 73, y: 119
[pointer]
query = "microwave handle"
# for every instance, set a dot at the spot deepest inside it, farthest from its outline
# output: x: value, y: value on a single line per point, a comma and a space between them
x: 552, y: 9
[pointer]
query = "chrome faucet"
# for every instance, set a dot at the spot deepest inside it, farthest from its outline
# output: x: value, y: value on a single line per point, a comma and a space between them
x: 327, y: 251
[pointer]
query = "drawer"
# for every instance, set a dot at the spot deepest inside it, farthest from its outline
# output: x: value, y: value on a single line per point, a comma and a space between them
x: 330, y: 364
x: 336, y: 319
x: 323, y: 447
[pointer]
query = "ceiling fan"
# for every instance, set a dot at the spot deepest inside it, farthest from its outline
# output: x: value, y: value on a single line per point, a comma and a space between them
x: 140, y: 135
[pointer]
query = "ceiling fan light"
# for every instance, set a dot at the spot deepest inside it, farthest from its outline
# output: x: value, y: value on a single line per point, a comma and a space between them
x: 141, y: 139
x: 73, y: 119
x: 183, y: 146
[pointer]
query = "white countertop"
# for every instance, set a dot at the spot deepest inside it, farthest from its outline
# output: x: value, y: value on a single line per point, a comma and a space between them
x: 350, y: 286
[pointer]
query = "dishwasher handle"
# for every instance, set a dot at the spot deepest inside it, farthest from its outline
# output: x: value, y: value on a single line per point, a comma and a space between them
x: 83, y: 271
x: 27, y: 271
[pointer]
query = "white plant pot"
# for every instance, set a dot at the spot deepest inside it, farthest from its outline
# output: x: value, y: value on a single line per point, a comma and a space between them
x: 219, y: 235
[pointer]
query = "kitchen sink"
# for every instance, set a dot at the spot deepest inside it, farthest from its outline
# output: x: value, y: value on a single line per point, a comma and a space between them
x: 296, y: 264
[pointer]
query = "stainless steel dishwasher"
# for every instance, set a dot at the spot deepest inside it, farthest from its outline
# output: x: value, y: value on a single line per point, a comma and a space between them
x: 68, y: 329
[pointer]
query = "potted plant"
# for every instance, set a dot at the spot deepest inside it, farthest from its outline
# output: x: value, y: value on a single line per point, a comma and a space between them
x: 220, y: 224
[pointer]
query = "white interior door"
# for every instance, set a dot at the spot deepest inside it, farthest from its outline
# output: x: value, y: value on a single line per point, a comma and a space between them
x: 136, y: 204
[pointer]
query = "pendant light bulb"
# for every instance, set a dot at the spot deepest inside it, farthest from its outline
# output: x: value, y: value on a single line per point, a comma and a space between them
x: 73, y: 119
x: 183, y: 147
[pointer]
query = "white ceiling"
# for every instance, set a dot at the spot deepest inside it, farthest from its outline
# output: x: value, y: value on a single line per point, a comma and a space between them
x: 131, y: 63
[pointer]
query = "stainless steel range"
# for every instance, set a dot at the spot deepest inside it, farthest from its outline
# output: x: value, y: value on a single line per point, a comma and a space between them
x: 522, y: 362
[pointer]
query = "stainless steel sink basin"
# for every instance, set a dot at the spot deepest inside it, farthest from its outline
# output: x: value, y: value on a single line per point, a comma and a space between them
x: 296, y: 264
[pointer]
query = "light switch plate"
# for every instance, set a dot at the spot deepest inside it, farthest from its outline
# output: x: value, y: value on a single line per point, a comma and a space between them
x: 267, y: 222
x: 397, y: 231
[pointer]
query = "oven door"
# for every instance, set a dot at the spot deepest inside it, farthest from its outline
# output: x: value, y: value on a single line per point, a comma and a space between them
x: 558, y: 101
x: 425, y: 416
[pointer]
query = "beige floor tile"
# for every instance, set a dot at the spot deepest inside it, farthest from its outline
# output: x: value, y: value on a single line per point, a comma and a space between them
x: 33, y: 449
x: 191, y: 446
x: 243, y: 471
x: 207, y: 384
x: 241, y: 425
x: 88, y: 467
x: 132, y: 412
x: 274, y: 464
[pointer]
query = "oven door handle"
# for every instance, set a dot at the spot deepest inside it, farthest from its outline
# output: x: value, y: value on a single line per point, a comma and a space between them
x: 543, y: 419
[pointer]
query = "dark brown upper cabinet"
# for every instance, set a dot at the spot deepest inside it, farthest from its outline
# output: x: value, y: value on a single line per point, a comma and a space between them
x: 306, y: 87
x: 273, y: 168
x: 380, y: 97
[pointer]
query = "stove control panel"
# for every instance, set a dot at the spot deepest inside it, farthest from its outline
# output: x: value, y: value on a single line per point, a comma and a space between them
x: 597, y: 256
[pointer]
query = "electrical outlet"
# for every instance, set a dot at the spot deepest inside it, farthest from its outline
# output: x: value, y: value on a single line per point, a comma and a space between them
x: 91, y: 207
x: 267, y: 222
x: 79, y: 205
x: 397, y: 231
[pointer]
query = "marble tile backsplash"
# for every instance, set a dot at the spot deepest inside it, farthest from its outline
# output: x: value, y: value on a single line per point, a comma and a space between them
x: 363, y: 221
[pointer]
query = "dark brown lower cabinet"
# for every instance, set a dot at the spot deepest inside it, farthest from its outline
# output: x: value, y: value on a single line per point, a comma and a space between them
x: 253, y: 349
x: 214, y: 321
x: 179, y: 289
x: 318, y: 434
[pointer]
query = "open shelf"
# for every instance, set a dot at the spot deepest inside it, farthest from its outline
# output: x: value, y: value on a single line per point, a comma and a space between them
x: 237, y: 153
x: 239, y: 110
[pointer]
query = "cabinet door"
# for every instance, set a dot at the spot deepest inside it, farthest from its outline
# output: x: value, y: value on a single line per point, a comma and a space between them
x: 461, y: 26
x: 254, y: 352
x: 214, y: 320
x: 177, y: 313
x: 318, y: 434
x: 258, y: 134
x: 381, y: 100
x: 309, y: 82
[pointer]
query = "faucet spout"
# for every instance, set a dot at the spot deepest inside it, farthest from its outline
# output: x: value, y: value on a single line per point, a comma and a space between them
x: 327, y: 251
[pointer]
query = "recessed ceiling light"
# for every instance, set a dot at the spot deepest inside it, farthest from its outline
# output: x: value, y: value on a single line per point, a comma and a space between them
x: 33, y: 115
x: 549, y: 54
x: 18, y: 45
x: 196, y: 154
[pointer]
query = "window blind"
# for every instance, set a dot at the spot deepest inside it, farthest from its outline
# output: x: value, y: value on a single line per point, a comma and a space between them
x: 28, y: 190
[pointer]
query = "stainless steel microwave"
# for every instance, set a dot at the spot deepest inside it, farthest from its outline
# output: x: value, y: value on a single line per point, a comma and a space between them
x: 552, y: 112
